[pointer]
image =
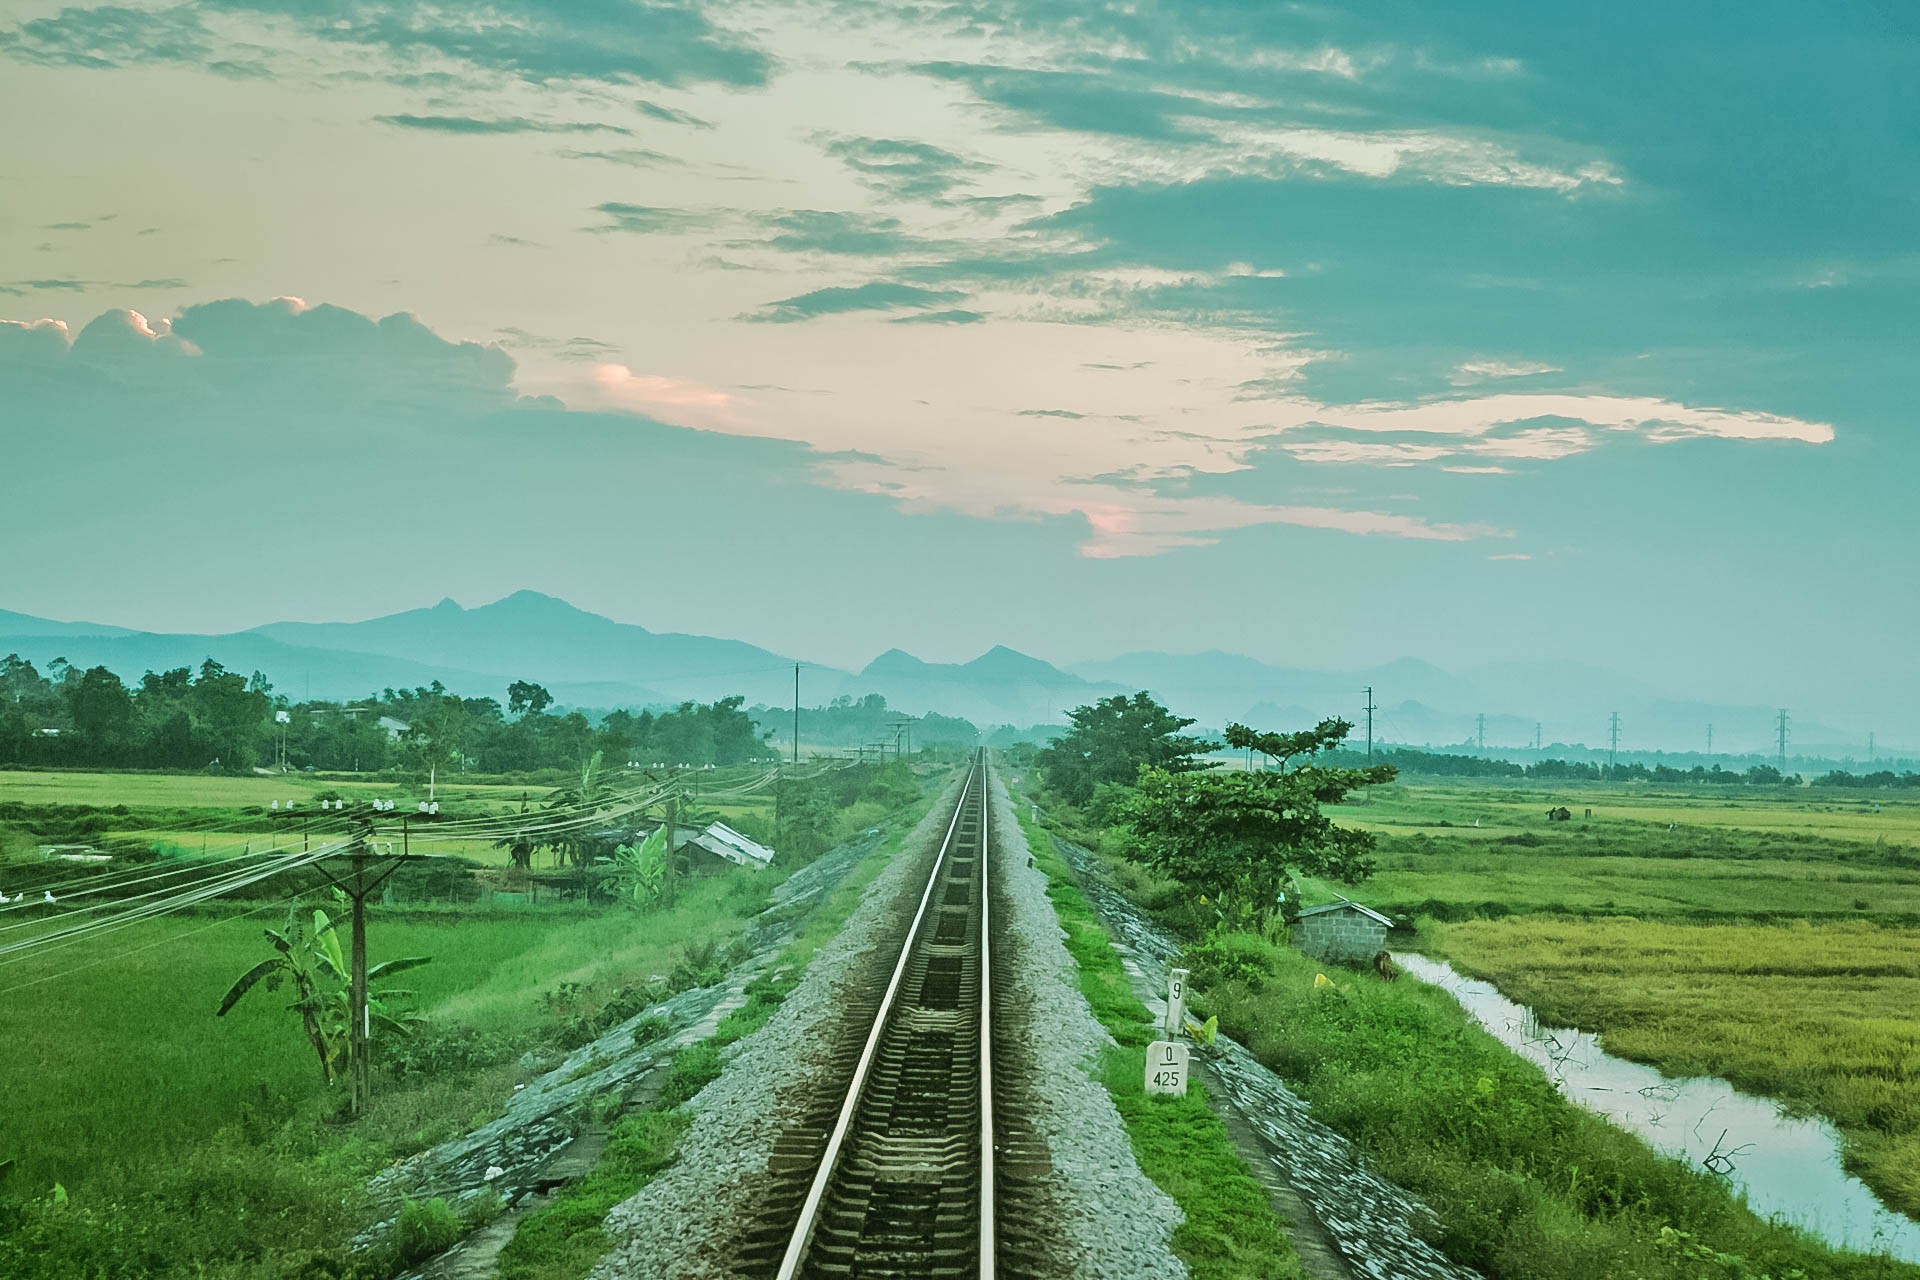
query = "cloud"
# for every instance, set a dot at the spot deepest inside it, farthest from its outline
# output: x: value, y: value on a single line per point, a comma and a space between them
x: 1516, y: 427
x: 663, y: 42
x: 629, y: 157
x: 109, y: 36
x: 670, y: 115
x: 1487, y: 370
x: 904, y: 170
x: 1051, y: 413
x: 640, y: 219
x: 854, y: 234
x: 578, y: 349
x: 875, y: 296
x: 680, y: 401
x: 275, y: 357
x: 953, y: 316
x: 495, y: 124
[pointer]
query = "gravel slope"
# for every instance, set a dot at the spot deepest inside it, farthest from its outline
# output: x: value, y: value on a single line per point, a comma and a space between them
x: 1116, y: 1223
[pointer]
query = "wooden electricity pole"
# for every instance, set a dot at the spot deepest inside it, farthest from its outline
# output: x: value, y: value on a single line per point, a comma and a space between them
x: 357, y: 1013
x: 673, y: 815
x: 359, y: 1017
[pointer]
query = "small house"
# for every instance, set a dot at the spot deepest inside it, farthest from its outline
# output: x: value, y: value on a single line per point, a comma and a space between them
x: 1342, y: 931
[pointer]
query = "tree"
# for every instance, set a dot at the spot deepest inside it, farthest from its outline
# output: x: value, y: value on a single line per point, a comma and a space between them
x: 1112, y: 740
x: 102, y: 714
x: 1237, y: 837
x: 525, y: 698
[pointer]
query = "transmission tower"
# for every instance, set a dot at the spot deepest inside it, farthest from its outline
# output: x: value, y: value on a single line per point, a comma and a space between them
x: 1613, y: 739
x: 1781, y: 729
x: 1480, y: 731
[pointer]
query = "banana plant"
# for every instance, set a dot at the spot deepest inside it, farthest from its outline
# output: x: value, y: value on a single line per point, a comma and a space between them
x: 308, y: 958
x: 641, y: 872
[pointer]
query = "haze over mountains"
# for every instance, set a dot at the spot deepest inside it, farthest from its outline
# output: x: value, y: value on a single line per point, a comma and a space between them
x: 591, y: 661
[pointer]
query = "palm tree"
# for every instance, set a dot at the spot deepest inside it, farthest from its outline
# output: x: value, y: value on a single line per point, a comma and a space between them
x: 307, y: 956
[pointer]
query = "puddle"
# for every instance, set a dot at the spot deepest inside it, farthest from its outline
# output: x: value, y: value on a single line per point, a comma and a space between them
x: 1788, y: 1167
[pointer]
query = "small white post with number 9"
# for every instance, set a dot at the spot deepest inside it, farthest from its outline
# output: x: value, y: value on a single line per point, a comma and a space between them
x: 1176, y: 1004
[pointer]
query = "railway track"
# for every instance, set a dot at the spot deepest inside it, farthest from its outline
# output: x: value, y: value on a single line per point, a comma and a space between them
x: 910, y: 1169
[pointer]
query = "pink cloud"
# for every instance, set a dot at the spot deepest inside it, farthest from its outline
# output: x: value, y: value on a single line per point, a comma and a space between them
x: 677, y: 400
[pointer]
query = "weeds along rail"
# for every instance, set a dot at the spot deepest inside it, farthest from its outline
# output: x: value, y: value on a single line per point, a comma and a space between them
x: 894, y: 1172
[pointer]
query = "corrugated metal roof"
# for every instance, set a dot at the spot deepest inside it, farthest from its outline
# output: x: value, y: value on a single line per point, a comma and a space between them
x: 1348, y: 904
x: 723, y: 841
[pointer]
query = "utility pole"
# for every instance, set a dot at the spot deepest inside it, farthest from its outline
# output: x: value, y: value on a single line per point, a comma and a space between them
x: 1781, y: 729
x: 1709, y: 742
x: 1613, y: 740
x: 1869, y: 748
x: 1370, y: 710
x: 358, y: 1014
x: 359, y: 1017
x: 673, y: 817
x: 1480, y: 731
x: 1536, y: 735
x: 796, y: 714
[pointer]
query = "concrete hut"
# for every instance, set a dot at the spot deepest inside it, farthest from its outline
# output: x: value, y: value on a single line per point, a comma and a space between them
x: 1342, y: 931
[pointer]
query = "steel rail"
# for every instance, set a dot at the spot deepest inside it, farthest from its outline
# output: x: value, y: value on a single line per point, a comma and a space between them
x: 804, y: 1227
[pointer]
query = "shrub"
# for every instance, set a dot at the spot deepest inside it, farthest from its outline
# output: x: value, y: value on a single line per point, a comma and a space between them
x: 426, y: 1230
x: 1231, y: 957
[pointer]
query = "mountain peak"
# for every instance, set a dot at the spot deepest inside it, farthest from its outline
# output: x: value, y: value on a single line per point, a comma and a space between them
x: 527, y: 598
x: 894, y: 662
x: 448, y: 605
x: 1004, y: 663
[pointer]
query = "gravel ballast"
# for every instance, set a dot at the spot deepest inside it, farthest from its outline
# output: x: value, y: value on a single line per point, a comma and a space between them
x: 1116, y: 1223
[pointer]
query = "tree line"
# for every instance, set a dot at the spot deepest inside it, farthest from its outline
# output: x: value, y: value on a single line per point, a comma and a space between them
x: 219, y: 720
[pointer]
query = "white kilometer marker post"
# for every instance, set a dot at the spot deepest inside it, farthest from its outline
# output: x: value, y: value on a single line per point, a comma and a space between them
x: 1167, y: 1068
x: 1167, y: 1059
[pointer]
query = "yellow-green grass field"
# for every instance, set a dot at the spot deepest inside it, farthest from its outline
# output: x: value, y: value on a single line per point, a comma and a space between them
x: 1404, y: 808
x: 1824, y: 1017
x: 1456, y: 878
x: 1642, y: 853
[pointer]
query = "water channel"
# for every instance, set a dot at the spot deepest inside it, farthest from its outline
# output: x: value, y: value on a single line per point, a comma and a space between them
x: 1788, y: 1166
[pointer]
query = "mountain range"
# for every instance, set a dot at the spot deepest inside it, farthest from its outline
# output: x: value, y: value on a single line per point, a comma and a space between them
x: 590, y: 661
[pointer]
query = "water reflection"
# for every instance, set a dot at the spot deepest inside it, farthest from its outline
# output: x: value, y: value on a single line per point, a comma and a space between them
x: 1788, y: 1167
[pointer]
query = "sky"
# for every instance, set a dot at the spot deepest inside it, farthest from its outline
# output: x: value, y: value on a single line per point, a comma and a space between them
x: 1328, y: 334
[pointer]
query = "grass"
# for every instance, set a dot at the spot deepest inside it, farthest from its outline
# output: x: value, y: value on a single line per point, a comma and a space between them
x: 1526, y: 1185
x: 1230, y: 1231
x: 1506, y: 809
x: 1824, y: 1017
x: 564, y: 1239
x: 195, y: 790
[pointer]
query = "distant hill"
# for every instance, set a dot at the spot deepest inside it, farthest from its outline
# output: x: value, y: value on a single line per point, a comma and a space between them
x: 25, y: 624
x: 530, y: 636
x: 1001, y: 686
x: 591, y: 661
